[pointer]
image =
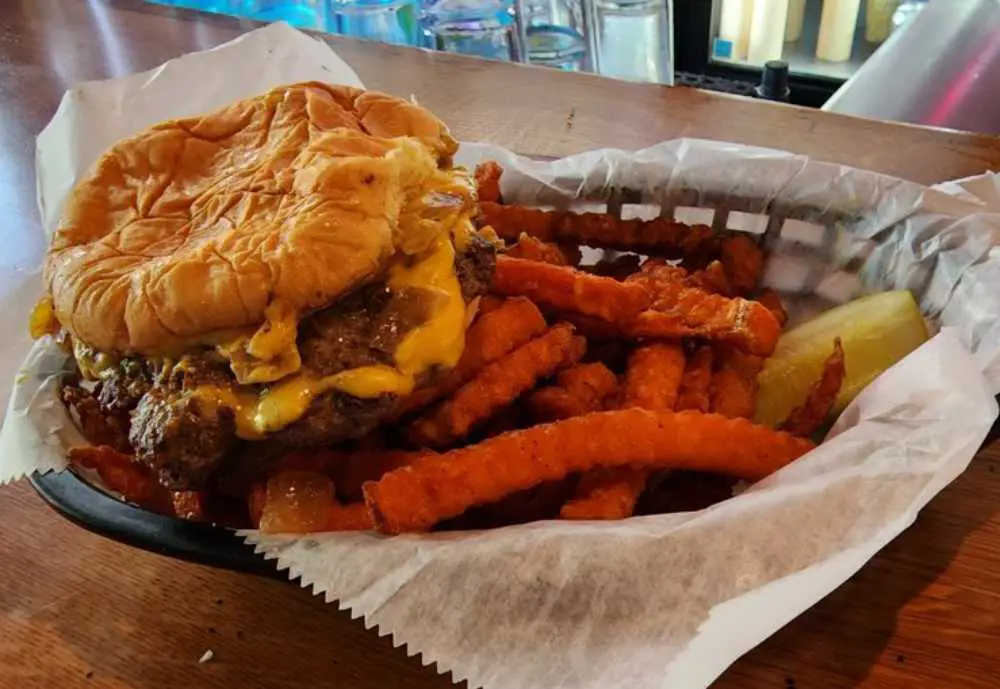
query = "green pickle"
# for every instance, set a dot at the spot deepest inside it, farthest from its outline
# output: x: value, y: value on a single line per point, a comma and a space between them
x: 876, y: 332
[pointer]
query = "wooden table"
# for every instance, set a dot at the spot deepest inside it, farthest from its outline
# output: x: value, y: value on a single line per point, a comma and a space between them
x: 77, y: 610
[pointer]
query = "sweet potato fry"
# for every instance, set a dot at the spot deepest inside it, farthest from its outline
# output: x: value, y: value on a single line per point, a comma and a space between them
x: 497, y: 385
x: 653, y: 376
x: 488, y: 303
x: 772, y: 302
x: 663, y: 236
x: 734, y: 384
x: 434, y: 488
x: 493, y: 335
x: 680, y: 310
x: 712, y: 278
x: 743, y: 261
x: 696, y: 384
x: 578, y: 390
x: 351, y: 517
x: 696, y: 313
x: 606, y: 494
x: 568, y: 289
x: 652, y: 379
x: 806, y: 420
x: 665, y: 281
x: 532, y: 249
x: 498, y: 333
x: 135, y: 482
x: 488, y: 181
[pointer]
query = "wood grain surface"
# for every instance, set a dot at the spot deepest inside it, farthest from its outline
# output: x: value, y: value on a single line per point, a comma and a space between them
x: 77, y: 610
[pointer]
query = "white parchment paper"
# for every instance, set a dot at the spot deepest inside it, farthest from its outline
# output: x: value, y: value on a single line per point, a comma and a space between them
x: 663, y: 601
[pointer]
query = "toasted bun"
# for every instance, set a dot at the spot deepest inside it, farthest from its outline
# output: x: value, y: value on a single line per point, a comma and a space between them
x: 195, y: 226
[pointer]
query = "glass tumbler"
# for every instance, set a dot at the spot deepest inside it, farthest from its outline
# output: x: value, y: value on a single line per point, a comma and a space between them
x: 305, y: 14
x: 555, y: 33
x: 388, y: 21
x: 633, y: 39
x: 485, y: 28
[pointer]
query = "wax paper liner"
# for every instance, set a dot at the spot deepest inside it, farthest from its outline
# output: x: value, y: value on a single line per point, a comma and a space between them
x: 660, y: 601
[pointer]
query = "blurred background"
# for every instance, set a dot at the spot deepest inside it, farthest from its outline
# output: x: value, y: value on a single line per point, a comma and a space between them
x: 894, y: 59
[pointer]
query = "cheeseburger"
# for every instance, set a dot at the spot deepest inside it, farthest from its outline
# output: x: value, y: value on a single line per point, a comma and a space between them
x: 279, y: 273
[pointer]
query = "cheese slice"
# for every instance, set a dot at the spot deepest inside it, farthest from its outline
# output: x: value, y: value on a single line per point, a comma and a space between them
x: 437, y: 342
x: 269, y: 354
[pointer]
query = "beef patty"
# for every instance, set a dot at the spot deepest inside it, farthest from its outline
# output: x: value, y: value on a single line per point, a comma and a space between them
x: 184, y: 440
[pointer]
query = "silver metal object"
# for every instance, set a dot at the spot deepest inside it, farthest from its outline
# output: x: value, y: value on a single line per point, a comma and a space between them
x: 941, y: 69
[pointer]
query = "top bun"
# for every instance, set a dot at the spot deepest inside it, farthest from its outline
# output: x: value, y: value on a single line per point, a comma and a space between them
x: 196, y: 225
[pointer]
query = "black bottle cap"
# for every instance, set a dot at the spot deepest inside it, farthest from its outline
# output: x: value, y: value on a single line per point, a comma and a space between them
x: 774, y: 81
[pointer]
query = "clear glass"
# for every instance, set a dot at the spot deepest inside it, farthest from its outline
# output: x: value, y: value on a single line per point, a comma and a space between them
x: 556, y: 34
x: 485, y: 28
x: 305, y: 14
x: 388, y: 21
x: 633, y: 39
x: 827, y: 38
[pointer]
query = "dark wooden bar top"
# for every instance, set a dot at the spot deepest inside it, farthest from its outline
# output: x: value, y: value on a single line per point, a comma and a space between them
x: 77, y: 610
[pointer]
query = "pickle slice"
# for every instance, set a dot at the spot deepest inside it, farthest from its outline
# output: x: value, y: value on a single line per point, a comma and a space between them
x: 876, y: 331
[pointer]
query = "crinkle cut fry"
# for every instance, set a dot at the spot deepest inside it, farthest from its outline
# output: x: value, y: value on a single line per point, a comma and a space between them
x: 606, y: 494
x: 350, y: 517
x: 771, y: 301
x: 532, y: 249
x: 493, y: 335
x: 696, y: 384
x: 488, y: 181
x: 806, y: 420
x: 734, y: 384
x: 682, y: 310
x: 652, y: 381
x: 135, y: 482
x: 663, y: 236
x: 497, y: 385
x: 653, y: 376
x: 696, y: 313
x: 743, y: 261
x: 438, y: 487
x: 579, y: 390
x: 568, y: 289
x: 712, y: 278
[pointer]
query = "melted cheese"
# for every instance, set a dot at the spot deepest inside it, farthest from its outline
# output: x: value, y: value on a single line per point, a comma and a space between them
x: 269, y: 354
x: 43, y: 319
x: 436, y: 203
x: 437, y: 342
